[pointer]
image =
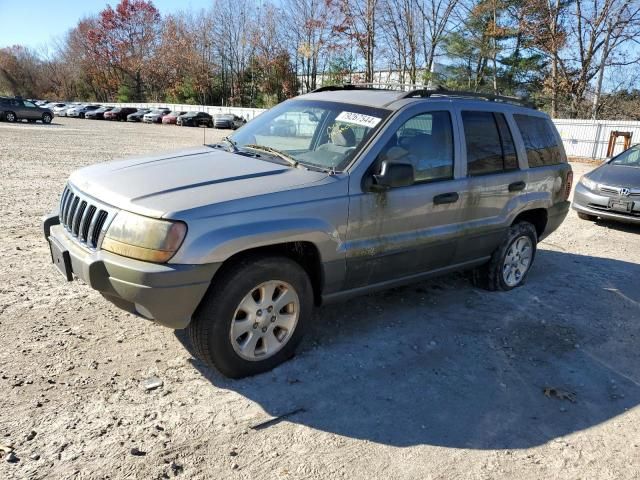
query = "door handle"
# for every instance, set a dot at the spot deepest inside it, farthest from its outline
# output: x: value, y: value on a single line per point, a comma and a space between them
x: 451, y: 197
x: 517, y: 186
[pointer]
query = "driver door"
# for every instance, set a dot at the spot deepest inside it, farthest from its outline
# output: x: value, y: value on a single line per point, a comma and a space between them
x: 407, y: 231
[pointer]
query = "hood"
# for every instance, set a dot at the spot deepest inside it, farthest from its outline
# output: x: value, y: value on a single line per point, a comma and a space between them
x: 616, y: 176
x: 171, y: 184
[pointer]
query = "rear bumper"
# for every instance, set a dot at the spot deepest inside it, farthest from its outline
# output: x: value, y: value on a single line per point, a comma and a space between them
x: 591, y: 203
x: 555, y: 216
x: 165, y: 293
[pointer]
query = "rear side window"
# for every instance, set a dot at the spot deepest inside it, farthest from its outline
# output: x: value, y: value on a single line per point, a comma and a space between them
x: 490, y: 147
x: 539, y: 140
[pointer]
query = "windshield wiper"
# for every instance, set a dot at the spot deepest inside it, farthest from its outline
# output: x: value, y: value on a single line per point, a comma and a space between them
x: 232, y: 145
x: 274, y: 151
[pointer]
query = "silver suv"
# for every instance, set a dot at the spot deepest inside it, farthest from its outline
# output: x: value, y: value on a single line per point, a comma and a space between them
x: 367, y: 189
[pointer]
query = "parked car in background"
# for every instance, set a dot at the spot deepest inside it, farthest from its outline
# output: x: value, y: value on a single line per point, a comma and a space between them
x: 611, y: 191
x: 172, y: 117
x: 119, y: 113
x: 283, y: 128
x: 61, y: 111
x: 137, y: 115
x: 237, y: 241
x: 155, y: 116
x: 195, y: 119
x: 228, y: 120
x: 53, y: 105
x: 81, y: 110
x: 16, y: 109
x: 97, y: 114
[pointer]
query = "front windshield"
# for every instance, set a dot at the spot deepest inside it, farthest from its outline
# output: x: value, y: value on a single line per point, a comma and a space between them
x: 317, y: 133
x: 628, y: 158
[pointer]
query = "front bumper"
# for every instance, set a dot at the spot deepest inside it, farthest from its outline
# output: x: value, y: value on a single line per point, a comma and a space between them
x: 596, y: 204
x: 165, y: 293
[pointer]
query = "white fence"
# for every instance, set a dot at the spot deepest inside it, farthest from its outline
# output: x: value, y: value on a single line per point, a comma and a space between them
x: 589, y: 138
x: 581, y: 138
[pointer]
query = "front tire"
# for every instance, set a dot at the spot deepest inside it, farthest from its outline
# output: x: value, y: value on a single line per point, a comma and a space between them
x: 511, y: 262
x: 253, y: 316
x: 46, y: 119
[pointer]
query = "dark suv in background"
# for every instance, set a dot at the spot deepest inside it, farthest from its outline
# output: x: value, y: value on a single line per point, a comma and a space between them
x: 15, y: 109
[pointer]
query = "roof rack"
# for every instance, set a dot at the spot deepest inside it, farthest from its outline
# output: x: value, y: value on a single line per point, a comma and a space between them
x: 490, y: 97
x: 408, y: 90
x: 387, y: 86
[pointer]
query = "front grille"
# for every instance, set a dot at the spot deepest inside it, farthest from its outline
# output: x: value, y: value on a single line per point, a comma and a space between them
x: 617, y: 191
x: 609, y: 190
x: 83, y: 218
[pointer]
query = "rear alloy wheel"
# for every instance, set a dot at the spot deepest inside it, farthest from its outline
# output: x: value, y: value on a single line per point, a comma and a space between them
x: 253, y: 316
x: 10, y: 117
x: 511, y: 261
x: 46, y: 118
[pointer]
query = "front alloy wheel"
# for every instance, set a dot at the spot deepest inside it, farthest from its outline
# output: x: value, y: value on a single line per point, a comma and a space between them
x: 265, y: 320
x: 253, y: 316
x: 46, y: 118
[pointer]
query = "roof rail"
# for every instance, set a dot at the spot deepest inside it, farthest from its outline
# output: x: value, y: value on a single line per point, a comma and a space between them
x: 490, y: 97
x: 408, y: 90
x: 390, y: 86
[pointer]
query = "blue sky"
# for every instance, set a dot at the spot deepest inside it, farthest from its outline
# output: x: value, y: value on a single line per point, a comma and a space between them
x: 36, y: 22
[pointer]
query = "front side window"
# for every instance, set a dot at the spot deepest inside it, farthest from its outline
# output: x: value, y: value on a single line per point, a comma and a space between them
x: 327, y: 135
x: 426, y: 142
x: 540, y: 140
x: 28, y: 104
x: 490, y: 147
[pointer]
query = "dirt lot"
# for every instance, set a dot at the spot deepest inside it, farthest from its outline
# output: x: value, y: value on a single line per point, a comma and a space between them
x: 434, y: 381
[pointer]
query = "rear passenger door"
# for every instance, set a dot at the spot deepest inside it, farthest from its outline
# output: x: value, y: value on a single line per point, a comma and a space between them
x: 494, y: 180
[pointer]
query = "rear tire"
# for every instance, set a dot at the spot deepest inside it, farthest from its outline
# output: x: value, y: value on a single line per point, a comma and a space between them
x: 511, y: 262
x: 227, y: 311
x: 586, y: 216
x: 10, y: 117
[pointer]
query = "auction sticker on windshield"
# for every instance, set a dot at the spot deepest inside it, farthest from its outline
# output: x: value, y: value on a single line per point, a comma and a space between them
x: 358, y: 119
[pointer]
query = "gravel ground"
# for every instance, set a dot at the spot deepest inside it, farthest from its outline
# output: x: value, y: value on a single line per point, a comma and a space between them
x: 438, y: 380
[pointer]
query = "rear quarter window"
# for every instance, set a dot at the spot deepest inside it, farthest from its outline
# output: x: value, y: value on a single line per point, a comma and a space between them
x: 540, y: 141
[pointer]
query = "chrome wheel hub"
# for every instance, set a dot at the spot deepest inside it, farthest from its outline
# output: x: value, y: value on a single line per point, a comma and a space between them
x: 265, y: 320
x: 517, y: 261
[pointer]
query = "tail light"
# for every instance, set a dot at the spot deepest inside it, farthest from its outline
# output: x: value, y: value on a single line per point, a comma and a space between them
x: 567, y: 189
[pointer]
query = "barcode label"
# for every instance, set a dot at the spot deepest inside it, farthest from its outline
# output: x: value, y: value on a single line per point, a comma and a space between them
x: 358, y: 119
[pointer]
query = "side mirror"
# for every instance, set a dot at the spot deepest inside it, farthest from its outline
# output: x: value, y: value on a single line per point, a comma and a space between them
x: 392, y: 175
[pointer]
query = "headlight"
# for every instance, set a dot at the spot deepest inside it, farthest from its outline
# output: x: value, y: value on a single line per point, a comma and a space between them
x: 144, y: 238
x: 588, y: 183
